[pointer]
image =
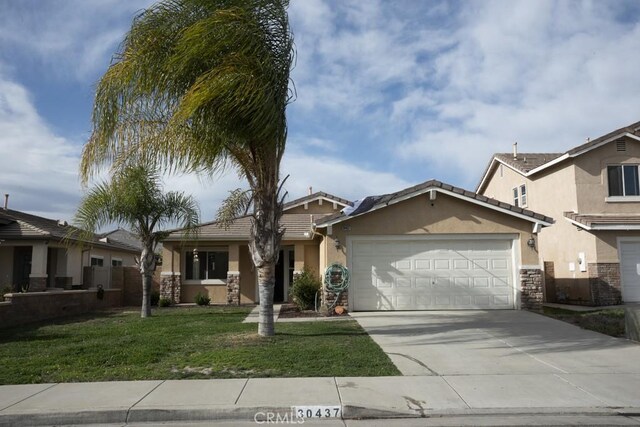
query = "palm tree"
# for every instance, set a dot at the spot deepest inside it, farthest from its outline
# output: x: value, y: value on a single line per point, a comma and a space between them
x: 134, y: 198
x: 197, y: 86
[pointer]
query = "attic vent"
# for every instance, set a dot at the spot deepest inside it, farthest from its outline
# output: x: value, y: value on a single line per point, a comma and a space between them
x: 621, y: 145
x: 62, y: 223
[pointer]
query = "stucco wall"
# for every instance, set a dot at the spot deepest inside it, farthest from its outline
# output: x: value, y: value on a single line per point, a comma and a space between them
x: 217, y: 293
x: 6, y: 266
x: 591, y: 178
x: 416, y: 216
x: 247, y: 277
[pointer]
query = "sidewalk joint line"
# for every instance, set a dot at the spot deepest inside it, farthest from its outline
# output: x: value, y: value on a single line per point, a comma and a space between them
x: 335, y: 381
x: 241, y: 391
x: 126, y: 418
x: 524, y: 352
x: 29, y: 397
x: 581, y: 389
x: 456, y: 392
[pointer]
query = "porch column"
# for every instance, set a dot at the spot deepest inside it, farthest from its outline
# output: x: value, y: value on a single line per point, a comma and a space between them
x: 171, y: 281
x: 298, y: 260
x: 233, y: 275
x: 38, y: 276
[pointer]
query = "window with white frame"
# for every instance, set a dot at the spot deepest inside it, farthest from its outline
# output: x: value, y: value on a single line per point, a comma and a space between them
x: 623, y: 180
x: 206, y: 265
x: 97, y: 261
x: 516, y: 197
x: 523, y: 196
x: 116, y: 262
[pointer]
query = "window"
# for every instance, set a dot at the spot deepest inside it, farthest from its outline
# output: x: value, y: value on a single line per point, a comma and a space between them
x: 523, y: 195
x: 207, y: 265
x: 116, y: 262
x: 97, y: 261
x: 623, y: 180
x: 516, y: 199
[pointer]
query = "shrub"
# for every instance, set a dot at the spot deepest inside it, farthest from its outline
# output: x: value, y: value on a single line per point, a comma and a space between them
x: 5, y: 290
x: 155, y: 298
x: 202, y: 299
x: 164, y: 302
x: 304, y: 289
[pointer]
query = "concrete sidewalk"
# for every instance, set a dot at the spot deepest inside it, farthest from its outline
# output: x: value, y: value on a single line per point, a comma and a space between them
x: 241, y: 400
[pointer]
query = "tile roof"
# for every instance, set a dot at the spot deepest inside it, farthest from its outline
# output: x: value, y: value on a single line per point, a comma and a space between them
x: 604, y: 220
x: 295, y: 226
x: 526, y: 161
x: 315, y: 196
x: 372, y: 202
x: 16, y: 225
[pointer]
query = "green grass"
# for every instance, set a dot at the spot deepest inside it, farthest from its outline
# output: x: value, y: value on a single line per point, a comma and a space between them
x: 184, y: 343
x: 609, y: 322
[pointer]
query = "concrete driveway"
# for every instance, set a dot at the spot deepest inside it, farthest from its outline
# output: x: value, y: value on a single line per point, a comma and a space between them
x: 500, y: 342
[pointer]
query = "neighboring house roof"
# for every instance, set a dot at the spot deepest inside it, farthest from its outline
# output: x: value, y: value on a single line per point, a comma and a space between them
x: 372, y: 203
x: 317, y: 196
x: 604, y: 221
x: 122, y: 236
x: 295, y: 225
x: 16, y: 225
x: 528, y: 164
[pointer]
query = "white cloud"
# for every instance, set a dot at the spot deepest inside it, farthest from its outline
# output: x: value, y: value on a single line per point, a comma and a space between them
x: 39, y: 169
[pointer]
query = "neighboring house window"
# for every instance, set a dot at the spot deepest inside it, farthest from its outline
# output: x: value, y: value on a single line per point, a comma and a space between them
x: 623, y: 180
x: 97, y: 262
x: 115, y: 262
x: 208, y: 265
x: 516, y: 198
x: 523, y: 195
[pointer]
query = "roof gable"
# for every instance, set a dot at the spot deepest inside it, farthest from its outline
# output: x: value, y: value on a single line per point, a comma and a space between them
x: 373, y: 203
x: 317, y: 196
x: 528, y: 164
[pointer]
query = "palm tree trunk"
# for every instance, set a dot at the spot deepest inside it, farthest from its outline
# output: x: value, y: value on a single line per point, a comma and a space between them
x: 147, y: 267
x: 266, y: 283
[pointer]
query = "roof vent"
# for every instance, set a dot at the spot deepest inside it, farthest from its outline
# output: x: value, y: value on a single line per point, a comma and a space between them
x: 621, y: 145
x: 6, y: 202
x: 62, y: 223
x: 104, y: 239
x: 515, y: 151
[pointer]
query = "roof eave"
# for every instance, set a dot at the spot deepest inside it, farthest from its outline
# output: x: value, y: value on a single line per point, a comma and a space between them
x: 542, y: 222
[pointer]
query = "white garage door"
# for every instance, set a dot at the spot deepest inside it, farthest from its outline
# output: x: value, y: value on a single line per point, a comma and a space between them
x: 630, y: 271
x: 431, y: 274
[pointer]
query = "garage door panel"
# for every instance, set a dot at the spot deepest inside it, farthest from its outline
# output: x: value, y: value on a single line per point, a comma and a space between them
x: 630, y: 271
x: 431, y: 274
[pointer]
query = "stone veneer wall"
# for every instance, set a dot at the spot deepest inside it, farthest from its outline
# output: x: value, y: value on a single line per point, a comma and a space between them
x: 531, y: 289
x: 233, y: 288
x: 170, y: 285
x: 604, y: 283
x: 37, y: 284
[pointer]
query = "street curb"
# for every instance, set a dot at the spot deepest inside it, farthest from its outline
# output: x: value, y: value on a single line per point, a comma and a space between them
x: 248, y: 414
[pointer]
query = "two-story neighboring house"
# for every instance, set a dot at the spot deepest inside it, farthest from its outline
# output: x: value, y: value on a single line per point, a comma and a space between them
x: 591, y: 254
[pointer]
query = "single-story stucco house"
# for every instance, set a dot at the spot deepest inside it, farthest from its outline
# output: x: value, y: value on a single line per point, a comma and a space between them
x: 431, y: 246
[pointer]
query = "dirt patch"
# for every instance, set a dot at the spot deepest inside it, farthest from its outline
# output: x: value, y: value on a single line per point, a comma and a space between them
x: 289, y: 311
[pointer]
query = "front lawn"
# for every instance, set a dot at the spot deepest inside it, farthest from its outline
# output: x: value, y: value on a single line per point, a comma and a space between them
x: 185, y: 343
x: 609, y: 322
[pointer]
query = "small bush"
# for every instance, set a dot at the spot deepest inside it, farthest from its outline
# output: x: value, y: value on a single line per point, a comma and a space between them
x: 155, y: 298
x: 304, y: 289
x: 202, y: 299
x: 5, y: 290
x: 164, y: 302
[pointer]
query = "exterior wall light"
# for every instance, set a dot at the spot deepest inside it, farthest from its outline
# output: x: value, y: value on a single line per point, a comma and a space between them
x: 195, y: 255
x: 531, y: 242
x: 337, y: 244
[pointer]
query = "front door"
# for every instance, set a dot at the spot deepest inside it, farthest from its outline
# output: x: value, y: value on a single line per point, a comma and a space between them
x: 21, y: 267
x: 284, y: 275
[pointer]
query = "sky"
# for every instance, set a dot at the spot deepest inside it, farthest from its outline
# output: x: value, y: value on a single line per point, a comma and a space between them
x: 389, y: 93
